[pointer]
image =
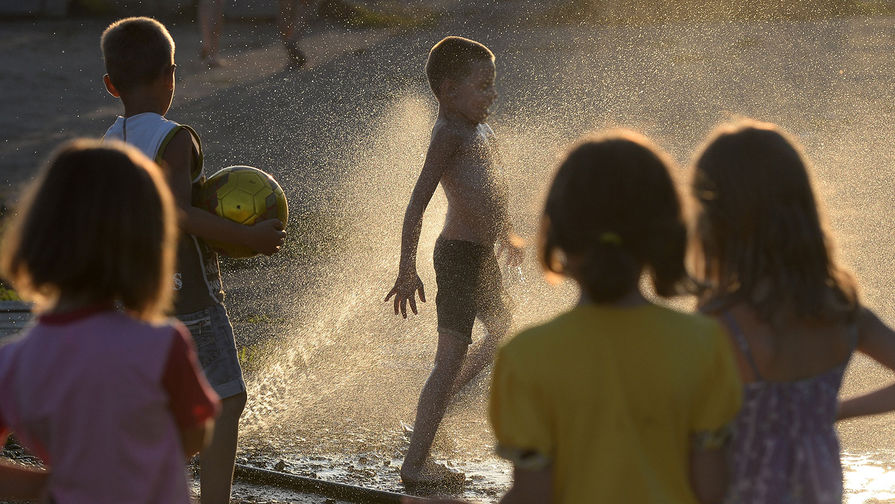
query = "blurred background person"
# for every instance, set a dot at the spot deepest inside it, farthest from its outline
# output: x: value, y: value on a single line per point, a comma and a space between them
x: 292, y: 24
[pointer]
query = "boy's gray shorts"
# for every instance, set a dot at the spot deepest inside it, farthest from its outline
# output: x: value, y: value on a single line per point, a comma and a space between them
x: 213, y: 334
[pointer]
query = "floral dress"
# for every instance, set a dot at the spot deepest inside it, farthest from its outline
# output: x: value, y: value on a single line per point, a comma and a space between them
x: 785, y: 448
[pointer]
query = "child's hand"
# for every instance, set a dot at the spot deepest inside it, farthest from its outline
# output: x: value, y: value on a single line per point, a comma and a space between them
x: 266, y: 236
x: 405, y: 291
x: 514, y: 246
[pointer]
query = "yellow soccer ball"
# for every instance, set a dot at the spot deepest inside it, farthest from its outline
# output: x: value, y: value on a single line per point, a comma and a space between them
x: 246, y: 195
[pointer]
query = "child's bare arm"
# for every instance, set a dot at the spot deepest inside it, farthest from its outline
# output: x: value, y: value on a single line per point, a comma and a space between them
x: 20, y: 482
x: 708, y: 474
x: 530, y: 486
x: 877, y: 340
x: 196, y: 438
x: 265, y: 236
x: 441, y: 150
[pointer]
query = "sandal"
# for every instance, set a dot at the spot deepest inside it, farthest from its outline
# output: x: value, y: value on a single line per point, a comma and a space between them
x: 210, y: 61
x: 296, y: 57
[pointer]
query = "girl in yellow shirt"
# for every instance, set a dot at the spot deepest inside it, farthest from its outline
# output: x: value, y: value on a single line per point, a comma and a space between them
x: 617, y: 399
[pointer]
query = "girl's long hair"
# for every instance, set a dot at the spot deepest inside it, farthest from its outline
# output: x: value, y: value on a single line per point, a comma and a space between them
x: 98, y: 224
x: 758, y: 232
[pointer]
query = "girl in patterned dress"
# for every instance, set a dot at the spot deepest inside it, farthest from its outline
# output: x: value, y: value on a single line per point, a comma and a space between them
x: 793, y: 314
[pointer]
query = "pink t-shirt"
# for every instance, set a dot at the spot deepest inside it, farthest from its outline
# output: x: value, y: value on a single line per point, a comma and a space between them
x: 101, y: 397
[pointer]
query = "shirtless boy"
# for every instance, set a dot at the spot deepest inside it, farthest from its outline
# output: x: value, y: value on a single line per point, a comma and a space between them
x: 462, y: 157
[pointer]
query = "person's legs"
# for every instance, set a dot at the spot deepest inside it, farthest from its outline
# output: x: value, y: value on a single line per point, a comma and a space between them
x: 216, y: 349
x: 292, y: 23
x: 455, y: 304
x: 482, y: 352
x: 430, y: 409
x: 217, y: 460
x: 493, y: 307
x: 211, y: 18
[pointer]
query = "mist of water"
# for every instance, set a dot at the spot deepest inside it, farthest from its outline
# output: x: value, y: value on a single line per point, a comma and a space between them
x: 346, y: 364
x: 344, y: 371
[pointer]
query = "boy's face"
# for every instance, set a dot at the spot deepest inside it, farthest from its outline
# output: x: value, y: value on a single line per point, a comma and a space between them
x: 473, y: 95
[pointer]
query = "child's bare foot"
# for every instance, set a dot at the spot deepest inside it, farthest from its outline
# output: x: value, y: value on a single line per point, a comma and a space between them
x: 432, y: 477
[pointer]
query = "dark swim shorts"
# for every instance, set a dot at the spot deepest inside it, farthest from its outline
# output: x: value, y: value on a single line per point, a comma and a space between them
x: 469, y: 286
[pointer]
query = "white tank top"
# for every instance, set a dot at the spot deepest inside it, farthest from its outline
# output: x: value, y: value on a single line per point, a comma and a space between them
x: 198, y: 277
x: 147, y: 131
x: 150, y: 133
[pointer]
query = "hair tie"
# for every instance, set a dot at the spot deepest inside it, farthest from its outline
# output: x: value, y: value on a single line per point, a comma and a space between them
x: 610, y: 238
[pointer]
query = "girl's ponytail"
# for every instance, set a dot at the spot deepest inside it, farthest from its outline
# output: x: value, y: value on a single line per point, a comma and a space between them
x: 612, y: 211
x: 608, y: 269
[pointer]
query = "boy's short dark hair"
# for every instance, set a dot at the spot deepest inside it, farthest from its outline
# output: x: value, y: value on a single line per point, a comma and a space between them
x: 136, y: 51
x: 451, y: 57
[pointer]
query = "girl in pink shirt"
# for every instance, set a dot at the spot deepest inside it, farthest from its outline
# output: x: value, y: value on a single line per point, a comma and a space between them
x: 103, y: 389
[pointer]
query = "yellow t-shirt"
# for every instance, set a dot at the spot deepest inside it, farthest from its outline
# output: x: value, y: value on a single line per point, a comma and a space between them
x: 610, y: 397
